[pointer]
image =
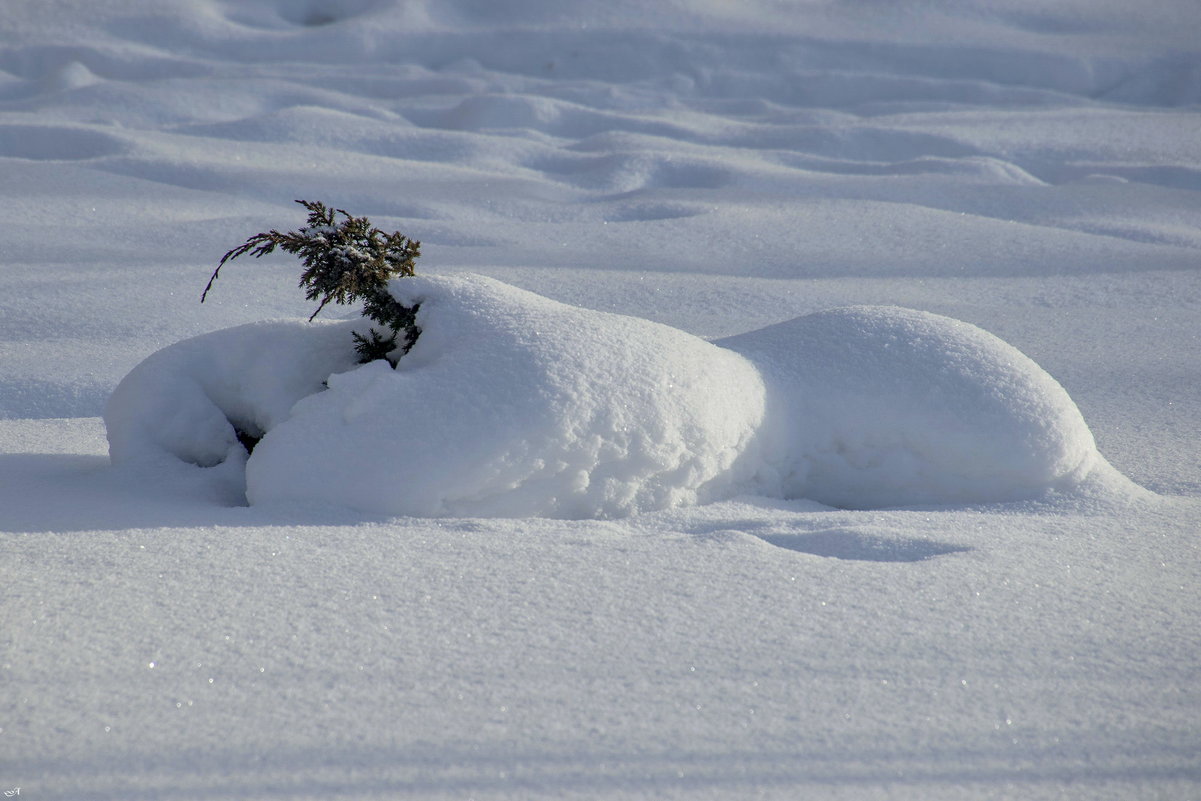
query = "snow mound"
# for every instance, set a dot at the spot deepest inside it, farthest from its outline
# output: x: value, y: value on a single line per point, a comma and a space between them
x: 510, y: 404
x: 876, y: 406
x: 186, y: 402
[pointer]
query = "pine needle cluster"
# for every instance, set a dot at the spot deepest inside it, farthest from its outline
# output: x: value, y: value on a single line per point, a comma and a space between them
x: 345, y: 262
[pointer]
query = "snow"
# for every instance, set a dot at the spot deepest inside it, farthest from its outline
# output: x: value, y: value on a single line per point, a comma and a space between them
x: 882, y: 406
x: 184, y: 401
x: 759, y: 202
x: 510, y: 404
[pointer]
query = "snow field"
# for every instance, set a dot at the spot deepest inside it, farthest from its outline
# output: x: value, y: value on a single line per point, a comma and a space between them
x: 1030, y: 169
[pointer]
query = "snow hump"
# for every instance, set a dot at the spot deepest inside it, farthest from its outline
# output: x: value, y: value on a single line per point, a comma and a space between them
x: 511, y: 405
x: 874, y: 406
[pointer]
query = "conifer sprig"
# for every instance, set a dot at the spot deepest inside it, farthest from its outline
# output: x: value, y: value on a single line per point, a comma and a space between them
x: 344, y: 262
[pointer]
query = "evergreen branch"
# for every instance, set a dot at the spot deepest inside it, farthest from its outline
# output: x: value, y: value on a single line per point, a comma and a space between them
x: 344, y: 262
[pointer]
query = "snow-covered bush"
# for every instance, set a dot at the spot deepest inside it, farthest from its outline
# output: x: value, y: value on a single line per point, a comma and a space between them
x: 511, y: 404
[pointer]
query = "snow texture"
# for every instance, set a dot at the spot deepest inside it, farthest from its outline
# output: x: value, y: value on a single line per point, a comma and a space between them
x: 758, y: 185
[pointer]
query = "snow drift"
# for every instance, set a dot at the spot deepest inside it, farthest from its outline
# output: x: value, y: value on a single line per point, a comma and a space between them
x: 511, y: 404
x: 187, y: 401
x: 875, y: 406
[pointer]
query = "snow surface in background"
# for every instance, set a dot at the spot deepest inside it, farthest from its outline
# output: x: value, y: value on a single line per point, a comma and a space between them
x: 1032, y: 169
